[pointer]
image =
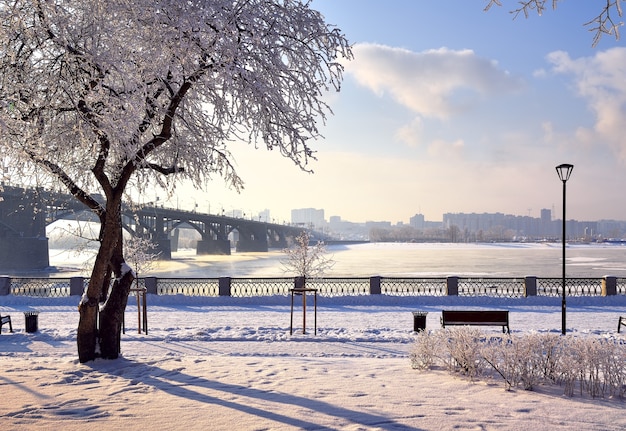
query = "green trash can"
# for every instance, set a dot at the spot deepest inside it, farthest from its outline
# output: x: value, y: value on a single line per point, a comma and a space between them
x: 419, y: 321
x: 31, y: 320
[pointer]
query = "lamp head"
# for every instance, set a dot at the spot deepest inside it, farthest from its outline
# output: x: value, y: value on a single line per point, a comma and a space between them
x: 564, y: 171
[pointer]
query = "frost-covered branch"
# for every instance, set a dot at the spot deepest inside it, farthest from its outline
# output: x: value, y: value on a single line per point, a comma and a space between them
x: 71, y: 186
x: 306, y: 260
x: 140, y: 253
x: 196, y: 77
x: 604, y: 23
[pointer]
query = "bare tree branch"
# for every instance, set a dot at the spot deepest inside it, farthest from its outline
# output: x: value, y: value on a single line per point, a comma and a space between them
x: 603, y: 24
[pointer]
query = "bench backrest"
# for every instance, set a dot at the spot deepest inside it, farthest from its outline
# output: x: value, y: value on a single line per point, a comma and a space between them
x: 491, y: 316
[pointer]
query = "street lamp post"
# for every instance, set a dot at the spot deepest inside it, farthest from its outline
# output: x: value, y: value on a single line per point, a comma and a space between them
x: 564, y: 171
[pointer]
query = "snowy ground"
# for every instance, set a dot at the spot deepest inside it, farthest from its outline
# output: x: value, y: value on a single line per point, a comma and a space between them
x: 231, y: 364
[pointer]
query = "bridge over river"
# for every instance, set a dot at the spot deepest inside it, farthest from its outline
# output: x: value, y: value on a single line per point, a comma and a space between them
x: 25, y: 213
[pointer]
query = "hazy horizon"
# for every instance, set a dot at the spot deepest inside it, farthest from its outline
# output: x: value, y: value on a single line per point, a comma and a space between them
x: 435, y: 116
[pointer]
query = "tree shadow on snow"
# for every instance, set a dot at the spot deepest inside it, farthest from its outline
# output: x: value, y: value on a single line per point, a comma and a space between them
x: 176, y: 383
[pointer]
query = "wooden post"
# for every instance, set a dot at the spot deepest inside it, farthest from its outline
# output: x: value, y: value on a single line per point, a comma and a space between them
x: 145, y: 313
x: 304, y: 312
x: 138, y: 312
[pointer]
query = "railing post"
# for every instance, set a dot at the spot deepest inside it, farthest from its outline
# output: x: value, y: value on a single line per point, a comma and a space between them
x: 530, y: 286
x: 151, y: 285
x: 375, y: 285
x: 299, y: 282
x: 77, y: 286
x: 609, y: 285
x: 224, y: 286
x: 5, y: 286
x: 452, y: 285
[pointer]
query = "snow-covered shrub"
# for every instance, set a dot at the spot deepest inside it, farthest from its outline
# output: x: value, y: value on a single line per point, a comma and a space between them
x: 596, y: 366
x: 614, y: 363
x: 464, y: 349
x: 504, y: 357
x: 519, y: 360
x: 428, y: 350
x: 549, y: 351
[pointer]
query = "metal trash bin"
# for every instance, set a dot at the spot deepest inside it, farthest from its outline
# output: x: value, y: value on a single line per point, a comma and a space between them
x: 419, y: 321
x: 31, y: 321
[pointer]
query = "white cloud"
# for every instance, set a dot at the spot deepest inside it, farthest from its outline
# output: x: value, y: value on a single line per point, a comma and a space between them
x: 434, y: 83
x: 446, y: 150
x: 600, y: 81
x: 410, y: 133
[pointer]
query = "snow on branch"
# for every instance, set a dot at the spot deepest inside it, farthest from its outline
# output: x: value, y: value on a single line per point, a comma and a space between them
x: 78, y: 96
x: 604, y: 23
x: 306, y: 260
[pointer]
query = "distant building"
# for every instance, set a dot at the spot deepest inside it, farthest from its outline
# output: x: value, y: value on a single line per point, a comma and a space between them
x: 334, y: 220
x: 377, y: 224
x: 346, y: 230
x: 308, y: 217
x: 265, y: 216
x: 417, y: 222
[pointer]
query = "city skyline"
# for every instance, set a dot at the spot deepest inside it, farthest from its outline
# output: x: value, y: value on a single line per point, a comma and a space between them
x: 472, y: 227
x: 435, y: 116
x: 314, y: 215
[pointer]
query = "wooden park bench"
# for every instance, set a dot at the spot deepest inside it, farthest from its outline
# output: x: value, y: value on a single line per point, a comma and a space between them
x: 620, y: 322
x: 4, y: 320
x: 479, y: 318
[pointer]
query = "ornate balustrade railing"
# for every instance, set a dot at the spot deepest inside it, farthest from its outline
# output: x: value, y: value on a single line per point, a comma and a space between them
x: 334, y: 286
x: 413, y: 286
x: 496, y: 287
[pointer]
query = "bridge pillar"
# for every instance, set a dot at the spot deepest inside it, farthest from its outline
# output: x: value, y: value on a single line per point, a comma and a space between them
x: 252, y: 245
x: 24, y: 254
x: 252, y: 239
x: 174, y: 235
x: 23, y: 242
x: 164, y: 248
x: 213, y: 246
x: 277, y: 241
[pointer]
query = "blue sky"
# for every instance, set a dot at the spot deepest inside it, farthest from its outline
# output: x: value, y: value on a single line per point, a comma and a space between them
x: 448, y: 108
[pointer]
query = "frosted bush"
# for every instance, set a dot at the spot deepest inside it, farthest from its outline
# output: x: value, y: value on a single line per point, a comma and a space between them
x: 428, y: 349
x: 594, y: 366
x: 465, y: 347
x: 458, y: 350
x: 508, y: 359
x: 549, y: 352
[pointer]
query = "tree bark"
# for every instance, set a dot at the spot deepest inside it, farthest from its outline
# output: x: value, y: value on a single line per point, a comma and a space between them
x: 112, y: 316
x: 87, y: 334
x: 99, y: 330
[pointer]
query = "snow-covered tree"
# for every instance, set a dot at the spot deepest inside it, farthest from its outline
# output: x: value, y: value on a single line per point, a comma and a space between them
x: 104, y: 96
x: 141, y: 254
x: 306, y: 260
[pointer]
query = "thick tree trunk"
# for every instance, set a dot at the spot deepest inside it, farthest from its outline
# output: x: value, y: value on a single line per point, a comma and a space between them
x: 99, y: 331
x: 87, y: 334
x: 112, y: 315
